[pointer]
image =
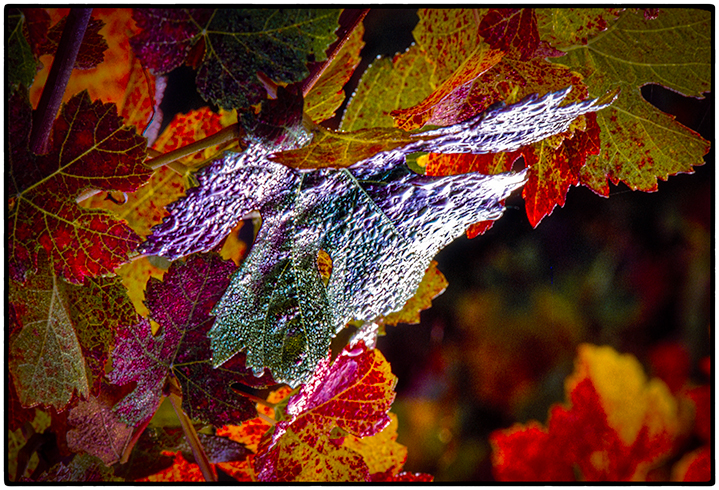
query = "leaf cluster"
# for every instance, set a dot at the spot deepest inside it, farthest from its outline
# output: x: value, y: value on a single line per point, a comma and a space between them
x: 131, y: 295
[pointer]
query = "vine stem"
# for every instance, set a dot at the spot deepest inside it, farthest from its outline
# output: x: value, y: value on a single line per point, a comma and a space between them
x: 54, y: 89
x: 349, y: 20
x: 175, y: 396
x: 224, y: 135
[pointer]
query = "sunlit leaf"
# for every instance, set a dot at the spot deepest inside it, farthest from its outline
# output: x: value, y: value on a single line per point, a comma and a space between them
x: 90, y: 149
x: 432, y: 285
x: 353, y: 394
x: 387, y: 84
x: 640, y: 143
x: 513, y: 31
x: 327, y: 94
x: 411, y: 218
x: 568, y: 27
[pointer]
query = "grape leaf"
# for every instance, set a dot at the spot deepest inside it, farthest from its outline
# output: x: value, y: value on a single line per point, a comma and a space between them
x: 353, y: 394
x: 278, y: 307
x: 112, y: 80
x: 628, y: 424
x: 76, y: 323
x: 37, y: 23
x: 432, y: 285
x: 385, y: 85
x: 21, y: 61
x: 180, y: 304
x: 447, y: 37
x: 46, y: 372
x: 90, y: 150
x: 639, y: 142
x: 456, y: 86
x: 238, y: 43
x: 513, y: 31
x: 567, y: 27
x: 91, y: 51
x: 381, y: 452
x: 98, y: 431
x: 83, y: 468
x: 508, y: 80
x: 327, y: 94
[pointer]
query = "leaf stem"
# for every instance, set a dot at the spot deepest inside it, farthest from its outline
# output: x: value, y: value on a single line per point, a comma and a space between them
x: 54, y: 89
x: 224, y: 135
x: 349, y: 20
x: 190, y: 433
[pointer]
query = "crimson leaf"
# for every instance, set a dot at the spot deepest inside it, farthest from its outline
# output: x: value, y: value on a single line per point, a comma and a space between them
x: 180, y: 304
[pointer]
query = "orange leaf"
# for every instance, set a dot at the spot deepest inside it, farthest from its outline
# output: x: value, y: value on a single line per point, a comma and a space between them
x: 628, y: 425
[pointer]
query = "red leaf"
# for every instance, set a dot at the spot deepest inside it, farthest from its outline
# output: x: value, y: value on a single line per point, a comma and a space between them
x: 353, y: 394
x: 181, y: 305
x: 90, y: 150
x: 627, y: 424
x: 92, y: 48
x: 514, y: 31
x: 166, y: 35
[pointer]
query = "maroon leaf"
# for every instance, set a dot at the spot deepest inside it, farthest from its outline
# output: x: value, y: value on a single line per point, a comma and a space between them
x: 511, y: 30
x: 181, y: 305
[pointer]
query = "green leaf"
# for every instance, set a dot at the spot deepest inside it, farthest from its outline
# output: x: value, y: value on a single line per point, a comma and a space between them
x: 45, y: 357
x: 327, y: 95
x: 639, y: 142
x: 21, y: 62
x: 65, y: 335
x: 237, y: 44
x: 570, y: 27
x: 388, y: 84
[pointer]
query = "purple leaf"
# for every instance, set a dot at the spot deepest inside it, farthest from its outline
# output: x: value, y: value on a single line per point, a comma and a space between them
x: 181, y: 305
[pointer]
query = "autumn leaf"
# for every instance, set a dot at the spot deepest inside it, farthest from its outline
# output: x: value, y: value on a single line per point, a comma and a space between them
x: 640, y: 143
x: 238, y: 43
x: 628, y: 424
x: 90, y: 150
x: 513, y: 31
x: 387, y: 84
x: 353, y: 394
x: 20, y: 57
x: 180, y: 304
x: 455, y: 87
x: 432, y: 285
x: 97, y: 430
x: 380, y: 452
x: 111, y: 80
x: 76, y: 332
x: 327, y: 94
x: 91, y: 51
x: 447, y: 37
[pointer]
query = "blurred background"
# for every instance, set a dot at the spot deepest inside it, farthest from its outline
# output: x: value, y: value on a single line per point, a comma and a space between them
x: 634, y: 271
